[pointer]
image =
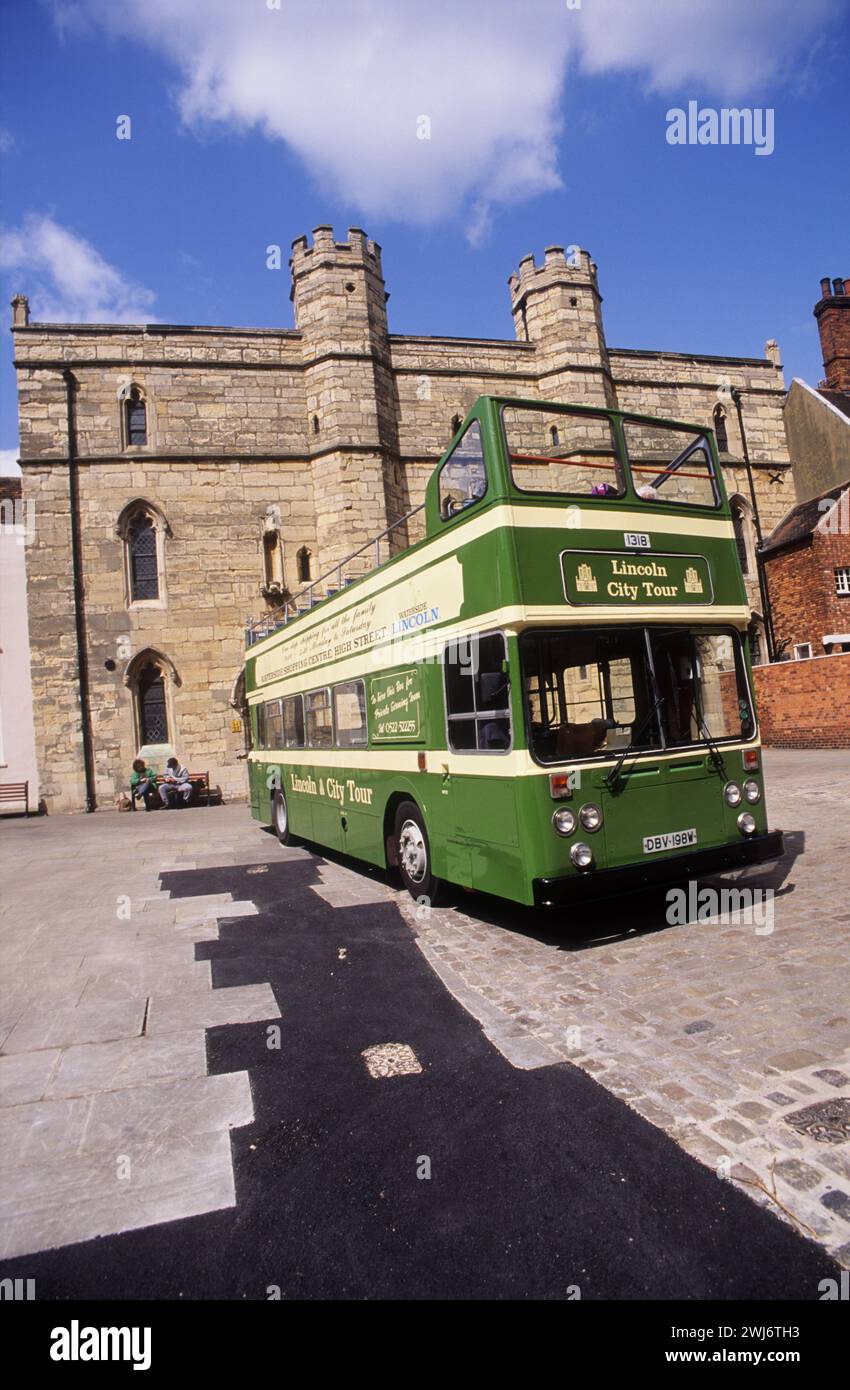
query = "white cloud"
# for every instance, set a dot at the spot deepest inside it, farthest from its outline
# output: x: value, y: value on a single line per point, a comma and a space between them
x: 729, y: 48
x: 7, y: 140
x: 343, y: 82
x: 66, y: 278
x: 9, y: 463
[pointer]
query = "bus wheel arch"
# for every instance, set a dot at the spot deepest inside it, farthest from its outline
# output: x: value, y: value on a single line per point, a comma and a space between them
x: 390, y: 846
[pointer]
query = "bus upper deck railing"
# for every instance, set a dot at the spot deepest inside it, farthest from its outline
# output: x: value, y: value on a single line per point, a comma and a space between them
x: 295, y: 605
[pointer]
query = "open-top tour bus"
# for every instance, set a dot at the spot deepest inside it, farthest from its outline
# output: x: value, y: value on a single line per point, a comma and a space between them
x: 550, y: 695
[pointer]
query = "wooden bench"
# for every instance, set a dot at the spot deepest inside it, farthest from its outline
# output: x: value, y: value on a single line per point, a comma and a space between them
x: 16, y: 791
x: 200, y: 786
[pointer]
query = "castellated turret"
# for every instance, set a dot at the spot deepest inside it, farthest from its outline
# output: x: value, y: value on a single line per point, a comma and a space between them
x: 557, y: 307
x: 338, y: 290
x: 339, y: 302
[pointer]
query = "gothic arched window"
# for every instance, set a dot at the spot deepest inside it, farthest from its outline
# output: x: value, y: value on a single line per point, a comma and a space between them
x: 721, y: 434
x: 150, y: 700
x: 149, y: 677
x: 143, y: 529
x: 135, y: 418
x: 143, y: 566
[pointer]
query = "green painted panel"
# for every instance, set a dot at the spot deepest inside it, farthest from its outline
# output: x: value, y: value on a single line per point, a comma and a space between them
x: 635, y: 580
x: 395, y: 707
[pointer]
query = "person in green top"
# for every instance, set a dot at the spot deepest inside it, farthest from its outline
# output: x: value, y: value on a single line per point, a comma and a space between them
x: 143, y: 783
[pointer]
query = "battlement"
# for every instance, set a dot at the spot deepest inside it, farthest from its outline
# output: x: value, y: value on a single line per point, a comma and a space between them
x: 558, y: 267
x: 357, y: 248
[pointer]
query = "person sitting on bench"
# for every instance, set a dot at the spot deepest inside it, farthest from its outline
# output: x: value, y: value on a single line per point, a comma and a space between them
x: 143, y: 783
x: 176, y: 788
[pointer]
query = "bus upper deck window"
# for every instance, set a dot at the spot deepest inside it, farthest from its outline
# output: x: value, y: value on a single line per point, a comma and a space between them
x: 463, y: 477
x: 669, y: 464
x: 570, y: 455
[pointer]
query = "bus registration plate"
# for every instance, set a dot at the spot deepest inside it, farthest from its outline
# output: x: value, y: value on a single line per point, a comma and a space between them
x: 675, y: 839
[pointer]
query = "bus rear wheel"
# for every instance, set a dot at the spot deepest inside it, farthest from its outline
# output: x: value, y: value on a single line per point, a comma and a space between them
x: 280, y: 817
x: 414, y: 853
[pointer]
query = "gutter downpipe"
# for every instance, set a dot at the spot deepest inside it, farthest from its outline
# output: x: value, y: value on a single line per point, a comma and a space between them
x: 762, y: 573
x: 79, y: 592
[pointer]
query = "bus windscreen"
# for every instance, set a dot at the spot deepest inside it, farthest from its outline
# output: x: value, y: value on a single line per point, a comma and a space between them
x: 597, y: 691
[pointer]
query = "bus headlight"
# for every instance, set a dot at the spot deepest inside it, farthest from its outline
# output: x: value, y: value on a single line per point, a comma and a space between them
x: 590, y: 817
x: 732, y: 792
x: 564, y: 821
x: 746, y: 823
x: 582, y: 856
x: 752, y: 791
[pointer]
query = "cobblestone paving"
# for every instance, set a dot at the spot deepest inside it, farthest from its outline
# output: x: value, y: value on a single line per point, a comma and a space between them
x: 717, y: 1032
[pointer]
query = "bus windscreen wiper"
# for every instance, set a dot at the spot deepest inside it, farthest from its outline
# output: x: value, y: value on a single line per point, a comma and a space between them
x: 716, y: 755
x: 614, y: 775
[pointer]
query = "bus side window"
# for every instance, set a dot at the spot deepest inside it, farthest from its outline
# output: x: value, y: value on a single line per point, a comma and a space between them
x: 260, y: 715
x: 463, y: 477
x: 319, y: 723
x: 350, y: 714
x: 293, y: 721
x: 478, y: 695
x: 274, y: 725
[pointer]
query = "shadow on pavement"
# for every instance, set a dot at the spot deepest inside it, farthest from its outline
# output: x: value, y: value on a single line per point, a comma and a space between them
x: 603, y: 922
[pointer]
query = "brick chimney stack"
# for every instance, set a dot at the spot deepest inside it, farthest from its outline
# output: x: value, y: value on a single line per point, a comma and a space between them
x: 832, y: 312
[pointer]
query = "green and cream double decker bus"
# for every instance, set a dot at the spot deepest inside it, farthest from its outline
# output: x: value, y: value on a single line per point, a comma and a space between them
x: 547, y: 697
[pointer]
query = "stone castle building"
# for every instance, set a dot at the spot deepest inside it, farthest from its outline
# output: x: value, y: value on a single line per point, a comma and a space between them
x: 183, y: 477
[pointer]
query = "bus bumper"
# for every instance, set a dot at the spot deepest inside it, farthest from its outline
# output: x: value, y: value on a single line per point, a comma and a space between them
x: 577, y: 888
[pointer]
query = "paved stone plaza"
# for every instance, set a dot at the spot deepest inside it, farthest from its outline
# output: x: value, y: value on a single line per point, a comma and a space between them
x: 717, y: 1034
x: 109, y: 1118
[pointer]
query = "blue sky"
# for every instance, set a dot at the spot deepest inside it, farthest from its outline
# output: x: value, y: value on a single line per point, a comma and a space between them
x: 251, y: 124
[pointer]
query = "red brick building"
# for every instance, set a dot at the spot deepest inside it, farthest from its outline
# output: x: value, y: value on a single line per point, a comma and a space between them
x: 807, y: 562
x: 804, y: 697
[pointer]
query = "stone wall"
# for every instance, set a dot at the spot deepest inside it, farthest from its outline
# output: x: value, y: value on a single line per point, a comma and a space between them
x: 818, y: 439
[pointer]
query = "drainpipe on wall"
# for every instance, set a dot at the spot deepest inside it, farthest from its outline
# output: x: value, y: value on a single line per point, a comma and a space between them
x: 762, y: 572
x: 79, y: 592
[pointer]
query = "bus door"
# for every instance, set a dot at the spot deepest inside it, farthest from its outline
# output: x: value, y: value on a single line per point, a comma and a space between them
x: 322, y: 806
x: 478, y: 789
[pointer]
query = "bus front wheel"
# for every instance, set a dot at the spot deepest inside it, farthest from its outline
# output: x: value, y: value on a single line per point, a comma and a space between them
x: 280, y: 817
x: 414, y: 853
